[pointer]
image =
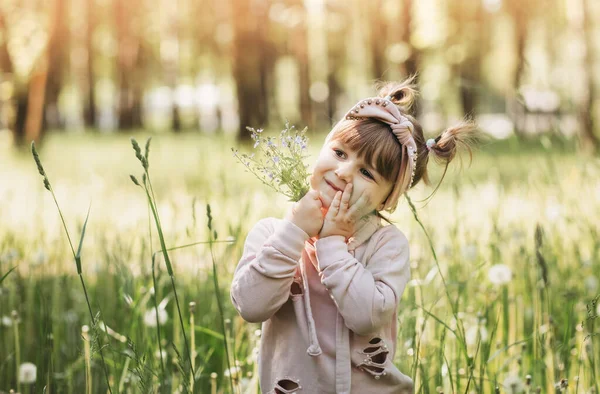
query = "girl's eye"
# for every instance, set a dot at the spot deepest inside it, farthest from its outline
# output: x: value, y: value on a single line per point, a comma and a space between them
x: 366, y: 173
x: 338, y: 153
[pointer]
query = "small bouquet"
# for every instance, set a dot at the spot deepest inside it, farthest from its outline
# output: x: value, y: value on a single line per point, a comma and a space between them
x: 280, y: 161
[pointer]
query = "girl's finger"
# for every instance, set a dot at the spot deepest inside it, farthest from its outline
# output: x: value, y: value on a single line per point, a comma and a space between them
x: 334, y: 208
x: 361, y: 206
x: 346, y: 197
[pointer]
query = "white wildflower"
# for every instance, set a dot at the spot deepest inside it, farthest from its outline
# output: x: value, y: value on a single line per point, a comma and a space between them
x: 500, y: 274
x: 6, y: 321
x: 150, y: 317
x: 27, y: 373
x: 257, y: 143
x: 513, y: 384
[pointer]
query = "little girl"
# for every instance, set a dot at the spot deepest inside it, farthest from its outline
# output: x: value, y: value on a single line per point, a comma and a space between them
x: 326, y: 280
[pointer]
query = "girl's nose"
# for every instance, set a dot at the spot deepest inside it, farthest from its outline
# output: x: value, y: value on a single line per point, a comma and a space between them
x: 344, y: 171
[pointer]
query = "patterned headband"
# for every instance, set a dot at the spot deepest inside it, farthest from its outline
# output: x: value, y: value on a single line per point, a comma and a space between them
x: 387, y: 112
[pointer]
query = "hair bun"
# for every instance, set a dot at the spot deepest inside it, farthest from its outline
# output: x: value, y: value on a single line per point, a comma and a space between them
x: 402, y: 94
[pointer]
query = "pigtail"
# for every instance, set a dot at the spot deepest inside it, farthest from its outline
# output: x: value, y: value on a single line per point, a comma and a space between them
x: 444, y: 148
x: 403, y: 94
x: 462, y: 135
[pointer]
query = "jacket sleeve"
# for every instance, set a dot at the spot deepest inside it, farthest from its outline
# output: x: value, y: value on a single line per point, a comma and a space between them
x: 263, y: 278
x: 366, y: 297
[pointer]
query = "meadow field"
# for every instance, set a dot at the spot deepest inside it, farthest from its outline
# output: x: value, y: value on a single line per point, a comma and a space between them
x: 505, y: 269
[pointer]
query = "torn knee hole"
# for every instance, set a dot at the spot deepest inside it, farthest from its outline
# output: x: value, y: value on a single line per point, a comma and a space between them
x: 285, y: 386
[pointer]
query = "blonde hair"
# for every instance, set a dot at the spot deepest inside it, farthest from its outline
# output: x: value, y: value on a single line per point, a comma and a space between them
x: 373, y: 139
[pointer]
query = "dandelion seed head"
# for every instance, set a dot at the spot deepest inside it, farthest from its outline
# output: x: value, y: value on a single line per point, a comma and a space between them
x: 6, y: 321
x: 500, y: 274
x: 27, y: 373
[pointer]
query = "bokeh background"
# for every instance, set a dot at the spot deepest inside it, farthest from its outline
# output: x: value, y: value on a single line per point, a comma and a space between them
x: 504, y: 290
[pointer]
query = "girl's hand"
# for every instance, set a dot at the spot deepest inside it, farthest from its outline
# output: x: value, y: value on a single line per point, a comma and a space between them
x: 306, y: 213
x: 341, y: 219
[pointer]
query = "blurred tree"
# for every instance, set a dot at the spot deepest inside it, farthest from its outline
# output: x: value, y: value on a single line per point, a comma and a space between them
x: 589, y: 140
x: 521, y: 13
x: 6, y: 66
x: 378, y: 37
x: 89, y: 111
x: 27, y: 49
x: 468, y: 36
x: 298, y: 37
x: 6, y: 72
x: 58, y: 60
x: 252, y: 63
x: 412, y: 63
x: 129, y: 63
x: 336, y: 14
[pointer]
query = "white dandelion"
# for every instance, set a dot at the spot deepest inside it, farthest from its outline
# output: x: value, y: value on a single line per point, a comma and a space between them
x: 6, y: 321
x: 513, y: 384
x: 27, y: 373
x: 500, y: 274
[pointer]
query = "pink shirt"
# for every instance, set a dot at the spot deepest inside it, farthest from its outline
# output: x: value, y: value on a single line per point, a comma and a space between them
x: 328, y: 308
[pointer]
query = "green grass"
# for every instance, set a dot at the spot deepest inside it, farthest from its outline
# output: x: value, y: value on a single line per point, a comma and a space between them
x: 487, y: 214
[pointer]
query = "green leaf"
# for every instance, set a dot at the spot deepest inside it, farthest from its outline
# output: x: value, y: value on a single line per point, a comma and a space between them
x: 208, y: 331
x: 5, y: 275
x: 78, y: 255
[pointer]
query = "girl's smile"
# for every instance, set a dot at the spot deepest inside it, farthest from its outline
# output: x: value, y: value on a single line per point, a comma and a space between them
x: 337, y: 166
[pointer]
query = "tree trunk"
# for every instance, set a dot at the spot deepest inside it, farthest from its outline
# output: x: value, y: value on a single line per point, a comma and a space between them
x: 89, y: 114
x: 300, y: 49
x: 378, y: 38
x: 518, y: 10
x: 57, y: 62
x: 129, y: 67
x: 249, y: 71
x: 6, y: 66
x: 411, y: 65
x: 335, y: 61
x: 468, y: 70
x: 589, y: 140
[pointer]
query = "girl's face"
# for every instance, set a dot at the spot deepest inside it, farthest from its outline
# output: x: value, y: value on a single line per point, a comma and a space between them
x: 337, y: 166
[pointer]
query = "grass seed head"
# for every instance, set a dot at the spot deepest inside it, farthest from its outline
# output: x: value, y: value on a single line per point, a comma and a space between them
x: 134, y: 180
x: 138, y: 151
x: 147, y: 150
x: 38, y: 162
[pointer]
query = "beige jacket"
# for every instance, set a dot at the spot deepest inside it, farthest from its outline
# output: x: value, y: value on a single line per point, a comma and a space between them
x: 328, y: 308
